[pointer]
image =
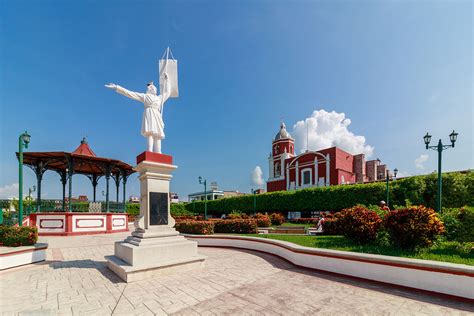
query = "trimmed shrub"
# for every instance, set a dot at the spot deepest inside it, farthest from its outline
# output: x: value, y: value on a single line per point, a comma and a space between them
x: 413, y: 227
x: 457, y: 186
x: 459, y: 223
x: 331, y: 225
x: 179, y: 209
x: 359, y: 224
x: 303, y: 220
x: 277, y: 219
x: 262, y: 220
x: 15, y: 236
x: 133, y: 209
x: 195, y: 227
x: 236, y: 226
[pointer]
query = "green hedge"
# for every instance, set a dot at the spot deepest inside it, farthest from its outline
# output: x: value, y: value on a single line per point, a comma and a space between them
x: 458, y: 190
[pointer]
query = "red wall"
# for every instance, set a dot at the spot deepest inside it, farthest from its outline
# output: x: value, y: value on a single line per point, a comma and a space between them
x: 341, y: 164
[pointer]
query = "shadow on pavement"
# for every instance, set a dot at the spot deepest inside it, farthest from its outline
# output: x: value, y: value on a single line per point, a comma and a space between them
x: 100, y: 266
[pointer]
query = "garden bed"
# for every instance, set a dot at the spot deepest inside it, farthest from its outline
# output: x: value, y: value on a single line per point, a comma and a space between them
x: 446, y: 251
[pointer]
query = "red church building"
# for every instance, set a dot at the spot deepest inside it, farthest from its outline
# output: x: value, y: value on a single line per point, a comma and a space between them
x: 330, y: 166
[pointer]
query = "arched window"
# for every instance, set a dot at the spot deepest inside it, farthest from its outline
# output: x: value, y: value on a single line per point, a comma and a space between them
x: 277, y: 169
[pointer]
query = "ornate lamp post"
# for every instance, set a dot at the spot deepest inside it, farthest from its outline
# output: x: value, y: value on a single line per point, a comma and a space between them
x: 254, y: 192
x: 440, y: 147
x: 387, y: 181
x: 205, y: 195
x: 23, y: 142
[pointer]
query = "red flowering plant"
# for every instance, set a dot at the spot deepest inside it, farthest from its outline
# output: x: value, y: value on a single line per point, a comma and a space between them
x: 234, y: 215
x: 263, y: 220
x: 236, y: 226
x: 14, y: 236
x: 358, y: 223
x: 195, y: 227
x: 331, y: 225
x: 277, y: 218
x: 304, y: 220
x: 412, y: 227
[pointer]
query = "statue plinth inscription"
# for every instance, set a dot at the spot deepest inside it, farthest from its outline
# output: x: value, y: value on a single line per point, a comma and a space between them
x: 155, y: 247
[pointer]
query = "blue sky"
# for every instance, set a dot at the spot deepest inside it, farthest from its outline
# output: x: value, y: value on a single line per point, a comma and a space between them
x: 395, y: 69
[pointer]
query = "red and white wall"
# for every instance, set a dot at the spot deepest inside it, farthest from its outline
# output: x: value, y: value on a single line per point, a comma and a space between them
x: 78, y: 223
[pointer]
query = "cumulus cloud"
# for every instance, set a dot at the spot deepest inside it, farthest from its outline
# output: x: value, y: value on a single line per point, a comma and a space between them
x: 328, y: 129
x: 419, y: 162
x: 9, y: 190
x: 257, y: 176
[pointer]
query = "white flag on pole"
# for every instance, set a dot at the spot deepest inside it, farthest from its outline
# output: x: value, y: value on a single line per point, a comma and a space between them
x: 170, y: 66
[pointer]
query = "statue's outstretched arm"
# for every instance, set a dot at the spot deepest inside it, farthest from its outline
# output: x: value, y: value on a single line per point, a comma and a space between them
x: 166, y: 89
x: 129, y: 94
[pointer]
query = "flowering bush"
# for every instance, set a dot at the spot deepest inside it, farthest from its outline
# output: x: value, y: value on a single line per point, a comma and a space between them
x: 14, y: 236
x: 415, y: 226
x: 184, y: 218
x: 331, y: 225
x: 262, y: 220
x: 195, y: 227
x: 303, y: 220
x: 277, y: 218
x: 358, y: 223
x: 234, y: 215
x: 236, y: 226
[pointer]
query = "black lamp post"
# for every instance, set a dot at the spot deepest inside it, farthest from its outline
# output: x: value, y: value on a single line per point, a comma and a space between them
x: 205, y: 195
x: 439, y: 148
x: 23, y: 142
x: 254, y: 193
x: 387, y: 180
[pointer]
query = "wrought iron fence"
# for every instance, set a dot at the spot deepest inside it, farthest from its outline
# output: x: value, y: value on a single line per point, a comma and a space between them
x: 9, y: 208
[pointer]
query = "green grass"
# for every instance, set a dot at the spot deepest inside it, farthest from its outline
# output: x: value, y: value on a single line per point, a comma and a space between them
x: 447, y: 251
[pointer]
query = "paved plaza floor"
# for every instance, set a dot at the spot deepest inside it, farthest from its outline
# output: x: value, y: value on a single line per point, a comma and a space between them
x: 75, y: 280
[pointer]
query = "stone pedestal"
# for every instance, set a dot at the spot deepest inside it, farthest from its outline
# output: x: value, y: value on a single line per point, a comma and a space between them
x: 155, y: 247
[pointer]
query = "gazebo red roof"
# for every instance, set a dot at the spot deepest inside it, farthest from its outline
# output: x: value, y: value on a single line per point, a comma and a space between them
x: 84, y: 149
x: 83, y: 158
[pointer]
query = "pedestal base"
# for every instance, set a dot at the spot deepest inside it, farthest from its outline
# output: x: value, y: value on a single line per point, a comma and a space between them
x: 152, y: 253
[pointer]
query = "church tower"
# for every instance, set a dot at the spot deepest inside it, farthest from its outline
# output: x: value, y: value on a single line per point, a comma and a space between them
x: 283, y: 147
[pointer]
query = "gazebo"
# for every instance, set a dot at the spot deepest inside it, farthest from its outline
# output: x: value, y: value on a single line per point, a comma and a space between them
x: 81, y: 161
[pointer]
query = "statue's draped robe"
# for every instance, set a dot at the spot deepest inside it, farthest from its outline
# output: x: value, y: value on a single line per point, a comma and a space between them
x: 152, y: 122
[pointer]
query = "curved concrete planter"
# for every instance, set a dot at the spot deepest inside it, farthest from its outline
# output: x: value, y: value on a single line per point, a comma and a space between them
x: 17, y: 256
x: 445, y: 278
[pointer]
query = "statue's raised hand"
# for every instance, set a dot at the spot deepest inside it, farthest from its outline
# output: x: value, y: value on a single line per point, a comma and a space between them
x: 111, y: 86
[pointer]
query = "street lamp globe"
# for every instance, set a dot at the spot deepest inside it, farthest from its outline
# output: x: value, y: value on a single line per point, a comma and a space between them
x: 427, y: 139
x: 200, y: 180
x: 452, y: 137
x: 395, y: 171
x: 26, y: 138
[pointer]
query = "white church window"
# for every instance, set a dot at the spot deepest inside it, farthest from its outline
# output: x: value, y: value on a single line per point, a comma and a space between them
x: 277, y: 169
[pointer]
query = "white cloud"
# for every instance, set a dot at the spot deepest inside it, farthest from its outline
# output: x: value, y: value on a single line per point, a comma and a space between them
x: 9, y: 190
x: 329, y: 129
x: 257, y: 176
x: 419, y: 162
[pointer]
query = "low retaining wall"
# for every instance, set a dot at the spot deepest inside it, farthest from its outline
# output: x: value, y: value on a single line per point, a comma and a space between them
x: 17, y: 256
x: 64, y: 223
x: 446, y: 278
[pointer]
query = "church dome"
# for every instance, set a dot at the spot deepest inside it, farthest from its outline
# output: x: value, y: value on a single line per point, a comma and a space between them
x: 282, y: 134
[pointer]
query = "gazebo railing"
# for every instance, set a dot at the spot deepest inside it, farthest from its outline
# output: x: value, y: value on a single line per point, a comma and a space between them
x: 57, y: 206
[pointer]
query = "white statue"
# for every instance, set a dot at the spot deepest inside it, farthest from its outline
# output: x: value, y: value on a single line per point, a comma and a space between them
x: 152, y: 122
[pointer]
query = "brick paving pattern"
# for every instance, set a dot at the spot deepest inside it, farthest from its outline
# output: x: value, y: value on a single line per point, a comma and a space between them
x: 75, y: 281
